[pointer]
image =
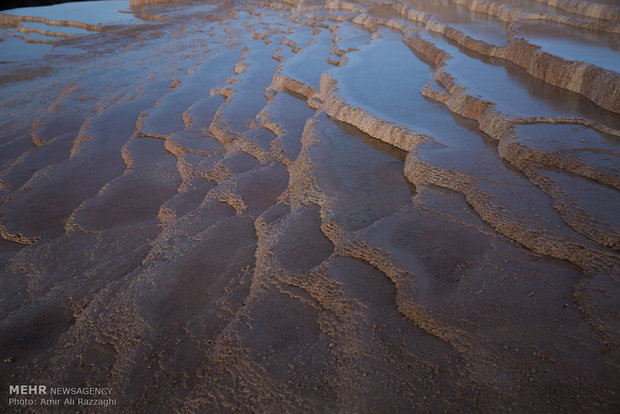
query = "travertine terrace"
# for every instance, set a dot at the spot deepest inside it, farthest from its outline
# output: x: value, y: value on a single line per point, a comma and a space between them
x: 313, y: 206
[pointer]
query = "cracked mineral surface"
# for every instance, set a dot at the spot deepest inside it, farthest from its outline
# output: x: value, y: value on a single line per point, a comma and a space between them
x: 313, y: 206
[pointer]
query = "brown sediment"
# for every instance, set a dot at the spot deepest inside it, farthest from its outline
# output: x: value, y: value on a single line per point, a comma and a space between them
x: 39, y: 41
x: 266, y: 122
x: 174, y: 83
x: 599, y: 85
x: 227, y: 193
x: 138, y: 3
x: 143, y: 134
x: 234, y: 142
x: 586, y: 8
x: 35, y: 139
x: 290, y: 43
x: 241, y: 67
x: 578, y: 218
x: 405, y: 292
x: 263, y: 36
x: 43, y: 32
x: 232, y: 80
x: 184, y: 168
x: 80, y: 139
x: 509, y: 14
x: 289, y: 2
x: 126, y: 155
x: 344, y: 5
x: 67, y: 91
x: 317, y: 24
x: 265, y: 251
x: 371, y: 23
x: 281, y: 82
x: 15, y: 20
x: 501, y: 128
x: 187, y: 119
x: 587, y: 257
x: 17, y: 237
x: 521, y: 156
x: 303, y: 191
x: 225, y: 91
x: 218, y: 173
x: 339, y: 62
x: 387, y: 132
x: 166, y: 216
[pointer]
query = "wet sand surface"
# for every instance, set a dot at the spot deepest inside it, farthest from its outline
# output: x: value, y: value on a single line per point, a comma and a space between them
x: 312, y: 206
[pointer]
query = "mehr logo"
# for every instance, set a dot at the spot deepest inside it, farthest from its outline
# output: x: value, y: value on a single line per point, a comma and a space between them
x: 31, y: 395
x: 28, y: 389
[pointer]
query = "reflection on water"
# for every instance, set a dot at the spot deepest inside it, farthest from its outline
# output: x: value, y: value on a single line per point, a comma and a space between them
x: 601, y: 49
x: 476, y: 25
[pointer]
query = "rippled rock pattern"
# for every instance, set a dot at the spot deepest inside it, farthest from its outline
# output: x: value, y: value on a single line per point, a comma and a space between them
x: 313, y: 206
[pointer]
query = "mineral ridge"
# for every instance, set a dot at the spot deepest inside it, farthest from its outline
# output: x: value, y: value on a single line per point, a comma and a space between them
x: 313, y: 206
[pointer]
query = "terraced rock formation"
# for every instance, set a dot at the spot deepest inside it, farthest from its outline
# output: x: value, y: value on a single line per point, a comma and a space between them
x: 313, y: 206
